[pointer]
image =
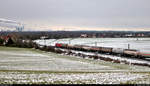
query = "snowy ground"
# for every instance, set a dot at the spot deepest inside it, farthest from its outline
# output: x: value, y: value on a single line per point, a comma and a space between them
x: 73, y: 78
x: 121, y: 59
x: 33, y: 66
x: 30, y: 60
x: 142, y: 44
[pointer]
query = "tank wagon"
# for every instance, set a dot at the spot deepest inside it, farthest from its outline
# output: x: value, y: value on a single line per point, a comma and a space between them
x: 70, y: 46
x: 95, y: 49
x: 106, y: 50
x: 109, y: 50
x: 117, y: 51
x: 86, y: 48
x: 77, y: 47
x: 144, y: 54
x: 131, y: 52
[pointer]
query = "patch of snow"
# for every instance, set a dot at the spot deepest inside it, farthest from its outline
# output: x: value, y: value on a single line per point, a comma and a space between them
x: 67, y: 78
x: 104, y: 42
x: 130, y: 60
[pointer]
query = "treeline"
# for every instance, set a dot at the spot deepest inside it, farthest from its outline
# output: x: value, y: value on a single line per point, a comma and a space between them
x: 37, y: 35
x: 28, y: 44
x: 71, y: 34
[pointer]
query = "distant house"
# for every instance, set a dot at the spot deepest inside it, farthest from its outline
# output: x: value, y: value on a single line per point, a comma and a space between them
x: 128, y: 35
x: 140, y: 35
x: 7, y: 40
x: 44, y: 37
x: 83, y: 35
x: 94, y: 36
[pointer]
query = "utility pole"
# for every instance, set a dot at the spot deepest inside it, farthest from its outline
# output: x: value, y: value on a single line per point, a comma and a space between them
x: 69, y: 41
x: 95, y: 44
x: 128, y: 46
x: 69, y: 51
x: 96, y: 53
x: 44, y: 42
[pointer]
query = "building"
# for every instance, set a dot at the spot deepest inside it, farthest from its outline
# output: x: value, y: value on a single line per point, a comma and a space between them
x: 83, y: 35
x: 6, y: 40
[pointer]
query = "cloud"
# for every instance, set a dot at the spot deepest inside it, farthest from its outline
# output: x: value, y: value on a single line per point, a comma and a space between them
x: 113, y: 14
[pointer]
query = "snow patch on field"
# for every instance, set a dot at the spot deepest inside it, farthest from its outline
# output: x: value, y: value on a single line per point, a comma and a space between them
x: 121, y: 59
x: 75, y: 71
x: 28, y: 60
x: 69, y: 78
x: 103, y: 42
x: 31, y: 54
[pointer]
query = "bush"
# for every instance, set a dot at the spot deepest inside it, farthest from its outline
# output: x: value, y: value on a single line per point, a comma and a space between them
x: 58, y: 51
x: 1, y: 41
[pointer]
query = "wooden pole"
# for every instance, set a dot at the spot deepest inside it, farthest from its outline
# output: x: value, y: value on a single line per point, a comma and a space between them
x: 44, y: 42
x: 69, y: 41
x: 128, y: 46
x: 95, y: 44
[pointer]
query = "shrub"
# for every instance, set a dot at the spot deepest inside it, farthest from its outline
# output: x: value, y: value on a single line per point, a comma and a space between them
x: 1, y: 41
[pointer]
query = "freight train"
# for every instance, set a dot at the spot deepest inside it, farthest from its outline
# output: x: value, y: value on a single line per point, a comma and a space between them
x: 107, y: 50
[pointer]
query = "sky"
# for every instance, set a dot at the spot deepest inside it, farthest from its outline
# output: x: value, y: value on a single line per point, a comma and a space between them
x: 68, y: 15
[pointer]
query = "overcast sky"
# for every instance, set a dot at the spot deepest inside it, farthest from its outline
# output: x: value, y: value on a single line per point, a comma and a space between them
x: 78, y: 14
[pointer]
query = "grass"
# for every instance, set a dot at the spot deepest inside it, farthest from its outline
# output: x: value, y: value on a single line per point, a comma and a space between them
x: 121, y: 68
x: 114, y: 66
x: 12, y: 48
x: 100, y: 62
x: 30, y: 80
x: 42, y: 80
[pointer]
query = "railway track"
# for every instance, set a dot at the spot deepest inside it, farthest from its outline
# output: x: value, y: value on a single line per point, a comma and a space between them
x: 78, y: 50
x: 110, y: 57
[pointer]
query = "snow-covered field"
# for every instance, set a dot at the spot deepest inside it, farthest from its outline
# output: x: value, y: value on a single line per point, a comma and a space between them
x: 121, y: 59
x: 73, y: 78
x: 142, y: 44
x: 30, y: 60
x: 19, y: 65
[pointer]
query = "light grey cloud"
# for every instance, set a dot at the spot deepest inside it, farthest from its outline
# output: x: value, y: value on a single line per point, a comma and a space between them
x: 87, y: 13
